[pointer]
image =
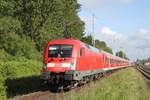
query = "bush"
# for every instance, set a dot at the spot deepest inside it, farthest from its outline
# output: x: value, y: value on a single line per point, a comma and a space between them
x: 2, y: 82
x: 17, y: 70
x: 14, y: 69
x: 17, y: 46
x: 4, y: 56
x: 2, y: 88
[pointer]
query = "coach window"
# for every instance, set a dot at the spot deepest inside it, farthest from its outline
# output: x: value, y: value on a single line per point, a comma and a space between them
x: 114, y: 61
x: 110, y: 61
x: 107, y: 60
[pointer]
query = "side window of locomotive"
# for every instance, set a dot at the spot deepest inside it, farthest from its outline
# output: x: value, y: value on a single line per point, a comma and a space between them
x: 80, y: 52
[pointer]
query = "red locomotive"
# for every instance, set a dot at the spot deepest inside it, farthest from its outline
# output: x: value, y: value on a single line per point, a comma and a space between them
x: 69, y: 62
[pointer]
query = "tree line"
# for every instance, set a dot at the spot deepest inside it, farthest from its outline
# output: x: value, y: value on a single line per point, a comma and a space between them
x: 27, y: 25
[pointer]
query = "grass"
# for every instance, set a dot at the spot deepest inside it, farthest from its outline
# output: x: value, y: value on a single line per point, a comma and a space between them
x: 126, y: 84
x: 19, y: 77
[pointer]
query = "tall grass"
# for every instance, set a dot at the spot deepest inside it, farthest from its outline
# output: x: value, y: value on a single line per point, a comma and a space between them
x: 14, y: 74
x: 126, y: 84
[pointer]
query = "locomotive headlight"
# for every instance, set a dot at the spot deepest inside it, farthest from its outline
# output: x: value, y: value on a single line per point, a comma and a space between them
x: 51, y: 65
x: 67, y: 64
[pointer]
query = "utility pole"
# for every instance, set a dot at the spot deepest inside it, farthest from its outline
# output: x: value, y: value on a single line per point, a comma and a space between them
x: 93, y: 29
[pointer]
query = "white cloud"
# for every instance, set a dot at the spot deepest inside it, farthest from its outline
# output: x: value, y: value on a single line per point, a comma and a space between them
x: 108, y: 31
x: 143, y: 31
x: 136, y: 45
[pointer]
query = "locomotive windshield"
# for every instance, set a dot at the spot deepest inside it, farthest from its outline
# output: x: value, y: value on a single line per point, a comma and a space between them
x: 60, y: 50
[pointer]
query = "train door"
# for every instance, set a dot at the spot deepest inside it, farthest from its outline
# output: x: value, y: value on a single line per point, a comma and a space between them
x: 103, y: 61
x: 82, y: 61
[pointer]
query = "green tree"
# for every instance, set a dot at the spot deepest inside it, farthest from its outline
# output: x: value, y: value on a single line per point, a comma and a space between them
x: 98, y: 44
x: 44, y: 20
x: 87, y: 39
x: 102, y: 45
x: 8, y: 25
x: 17, y: 46
x: 122, y: 55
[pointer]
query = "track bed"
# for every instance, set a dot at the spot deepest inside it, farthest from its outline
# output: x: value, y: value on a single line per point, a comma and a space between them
x: 145, y: 71
x: 48, y: 95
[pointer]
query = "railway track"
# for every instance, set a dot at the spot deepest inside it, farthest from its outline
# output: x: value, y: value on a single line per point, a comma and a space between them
x: 48, y: 95
x: 145, y: 71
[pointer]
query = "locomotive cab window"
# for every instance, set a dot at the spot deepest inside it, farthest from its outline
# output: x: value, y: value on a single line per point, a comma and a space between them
x: 60, y: 50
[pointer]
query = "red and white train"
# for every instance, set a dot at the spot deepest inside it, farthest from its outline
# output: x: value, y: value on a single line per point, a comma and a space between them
x: 68, y: 61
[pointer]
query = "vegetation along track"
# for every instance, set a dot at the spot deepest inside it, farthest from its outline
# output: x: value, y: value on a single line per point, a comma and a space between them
x: 145, y: 71
x: 48, y: 95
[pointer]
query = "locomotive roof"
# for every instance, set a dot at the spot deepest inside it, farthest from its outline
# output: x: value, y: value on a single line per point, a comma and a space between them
x: 69, y: 41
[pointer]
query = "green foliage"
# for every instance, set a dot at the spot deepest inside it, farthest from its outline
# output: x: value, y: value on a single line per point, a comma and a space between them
x: 102, y: 45
x: 87, y: 39
x: 17, y: 46
x: 72, y: 25
x: 122, y: 55
x: 98, y: 44
x: 2, y: 88
x: 127, y: 84
x: 42, y: 20
x: 8, y: 25
x: 4, y: 56
x: 16, y: 69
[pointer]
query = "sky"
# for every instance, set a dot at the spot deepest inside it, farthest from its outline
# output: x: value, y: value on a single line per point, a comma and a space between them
x: 122, y: 24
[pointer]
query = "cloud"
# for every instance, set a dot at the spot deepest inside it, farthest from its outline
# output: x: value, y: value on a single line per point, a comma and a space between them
x: 108, y: 31
x: 136, y: 45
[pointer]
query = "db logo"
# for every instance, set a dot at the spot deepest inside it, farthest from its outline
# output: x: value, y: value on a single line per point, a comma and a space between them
x: 58, y: 65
